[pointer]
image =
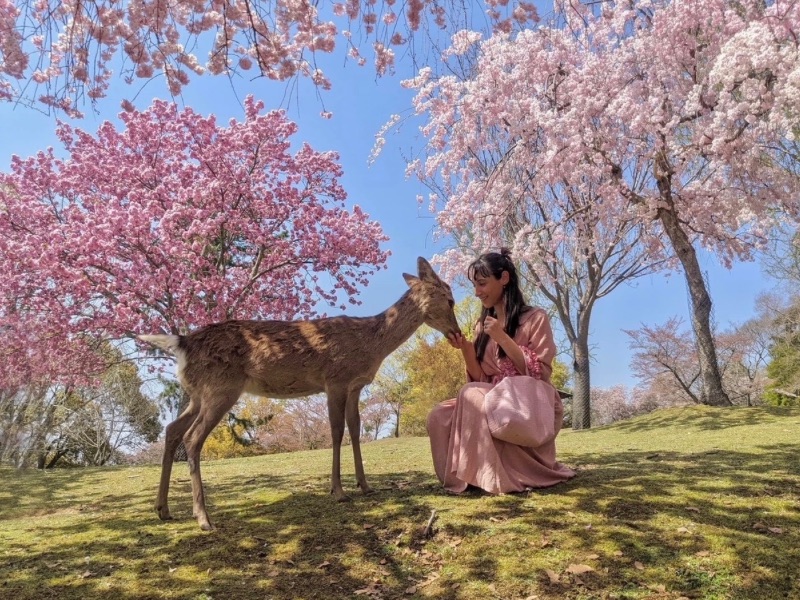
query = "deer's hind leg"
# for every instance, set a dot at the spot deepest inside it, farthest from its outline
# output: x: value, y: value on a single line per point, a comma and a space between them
x: 354, y: 428
x: 173, y: 437
x: 337, y: 400
x: 211, y: 412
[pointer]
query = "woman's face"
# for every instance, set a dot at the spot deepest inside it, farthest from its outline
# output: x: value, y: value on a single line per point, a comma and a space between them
x: 489, y: 289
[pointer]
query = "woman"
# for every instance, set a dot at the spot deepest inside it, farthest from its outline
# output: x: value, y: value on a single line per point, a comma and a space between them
x: 511, y: 338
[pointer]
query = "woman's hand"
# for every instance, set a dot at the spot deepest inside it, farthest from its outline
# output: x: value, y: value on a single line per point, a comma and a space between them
x: 493, y: 328
x: 457, y: 340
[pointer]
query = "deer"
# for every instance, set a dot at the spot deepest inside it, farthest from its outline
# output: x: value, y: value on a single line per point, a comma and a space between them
x: 337, y: 356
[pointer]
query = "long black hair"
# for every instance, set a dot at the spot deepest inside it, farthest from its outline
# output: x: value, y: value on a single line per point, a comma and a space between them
x: 492, y: 264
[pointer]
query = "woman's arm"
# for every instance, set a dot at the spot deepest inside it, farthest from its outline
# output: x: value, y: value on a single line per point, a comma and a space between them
x: 514, y: 353
x: 467, y: 348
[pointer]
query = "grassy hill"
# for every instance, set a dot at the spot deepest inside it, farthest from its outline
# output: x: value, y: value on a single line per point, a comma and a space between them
x: 683, y: 503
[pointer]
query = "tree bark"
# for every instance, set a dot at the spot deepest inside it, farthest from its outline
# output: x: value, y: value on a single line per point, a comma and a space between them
x: 712, y: 391
x: 581, y: 403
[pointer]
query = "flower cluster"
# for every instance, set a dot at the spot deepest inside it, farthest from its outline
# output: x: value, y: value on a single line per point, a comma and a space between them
x: 72, y: 48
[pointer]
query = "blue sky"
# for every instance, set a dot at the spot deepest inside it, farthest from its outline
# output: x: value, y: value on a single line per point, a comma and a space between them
x: 361, y: 105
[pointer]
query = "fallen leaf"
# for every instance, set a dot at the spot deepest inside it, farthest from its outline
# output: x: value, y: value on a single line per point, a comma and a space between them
x: 368, y: 526
x: 371, y: 589
x: 322, y: 565
x: 683, y: 530
x: 411, y: 590
x: 492, y: 588
x: 702, y: 553
x: 618, y: 553
x: 545, y: 543
x: 593, y: 556
x: 639, y: 565
x: 383, y: 561
x: 660, y: 588
x: 173, y: 569
x: 576, y: 569
x: 456, y: 542
x: 553, y: 576
x: 86, y: 574
x: 759, y: 526
x: 777, y: 530
x: 693, y: 509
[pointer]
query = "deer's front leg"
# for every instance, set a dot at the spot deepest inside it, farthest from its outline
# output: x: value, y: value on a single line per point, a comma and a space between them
x: 354, y: 427
x: 336, y: 408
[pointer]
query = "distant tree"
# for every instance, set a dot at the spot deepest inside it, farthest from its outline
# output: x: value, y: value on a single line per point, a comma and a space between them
x: 298, y: 424
x: 376, y: 415
x: 434, y: 372
x: 783, y: 369
x: 666, y: 353
x: 238, y: 434
x: 47, y: 426
x: 665, y: 360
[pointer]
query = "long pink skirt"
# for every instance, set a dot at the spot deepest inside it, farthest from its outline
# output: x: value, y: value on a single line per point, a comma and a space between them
x: 464, y: 452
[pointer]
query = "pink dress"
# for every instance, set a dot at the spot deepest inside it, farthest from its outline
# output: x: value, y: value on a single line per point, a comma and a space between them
x: 464, y: 451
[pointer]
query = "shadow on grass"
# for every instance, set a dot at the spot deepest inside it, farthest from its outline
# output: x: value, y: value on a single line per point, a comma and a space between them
x: 277, y: 539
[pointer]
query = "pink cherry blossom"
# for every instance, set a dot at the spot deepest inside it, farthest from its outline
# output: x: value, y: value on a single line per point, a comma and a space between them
x: 69, y: 47
x: 166, y: 224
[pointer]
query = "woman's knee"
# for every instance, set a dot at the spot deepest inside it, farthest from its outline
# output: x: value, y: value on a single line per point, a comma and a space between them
x: 440, y: 415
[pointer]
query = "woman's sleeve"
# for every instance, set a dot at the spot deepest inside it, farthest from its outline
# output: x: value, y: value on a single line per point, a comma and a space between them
x: 538, y: 338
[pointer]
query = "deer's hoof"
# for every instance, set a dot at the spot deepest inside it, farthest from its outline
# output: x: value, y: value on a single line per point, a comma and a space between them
x: 163, y: 513
x: 206, y: 526
x: 367, y: 491
x: 341, y: 496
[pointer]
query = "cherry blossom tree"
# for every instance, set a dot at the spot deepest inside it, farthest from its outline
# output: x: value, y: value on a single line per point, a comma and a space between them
x: 665, y: 359
x: 169, y: 223
x: 665, y: 353
x: 694, y: 138
x: 495, y: 183
x: 62, y: 53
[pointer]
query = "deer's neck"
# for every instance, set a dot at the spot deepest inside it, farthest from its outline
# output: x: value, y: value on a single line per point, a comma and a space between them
x: 398, y: 322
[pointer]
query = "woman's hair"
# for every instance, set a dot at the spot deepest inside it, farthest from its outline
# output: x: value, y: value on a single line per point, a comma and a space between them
x: 492, y: 264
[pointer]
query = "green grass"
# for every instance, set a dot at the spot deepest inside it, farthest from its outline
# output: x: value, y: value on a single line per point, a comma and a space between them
x: 693, y: 503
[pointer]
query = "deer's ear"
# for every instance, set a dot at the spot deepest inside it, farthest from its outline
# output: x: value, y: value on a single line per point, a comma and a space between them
x: 425, y: 269
x: 410, y: 279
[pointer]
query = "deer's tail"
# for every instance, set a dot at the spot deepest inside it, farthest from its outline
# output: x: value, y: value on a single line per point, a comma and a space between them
x: 168, y: 343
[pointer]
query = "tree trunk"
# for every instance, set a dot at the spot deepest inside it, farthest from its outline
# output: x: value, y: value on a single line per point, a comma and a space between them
x: 581, y: 403
x: 712, y: 392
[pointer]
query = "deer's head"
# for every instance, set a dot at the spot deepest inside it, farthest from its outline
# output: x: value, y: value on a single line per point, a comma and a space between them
x: 434, y: 297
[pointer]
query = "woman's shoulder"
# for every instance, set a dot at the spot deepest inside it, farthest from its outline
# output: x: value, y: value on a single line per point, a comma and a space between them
x: 531, y: 312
